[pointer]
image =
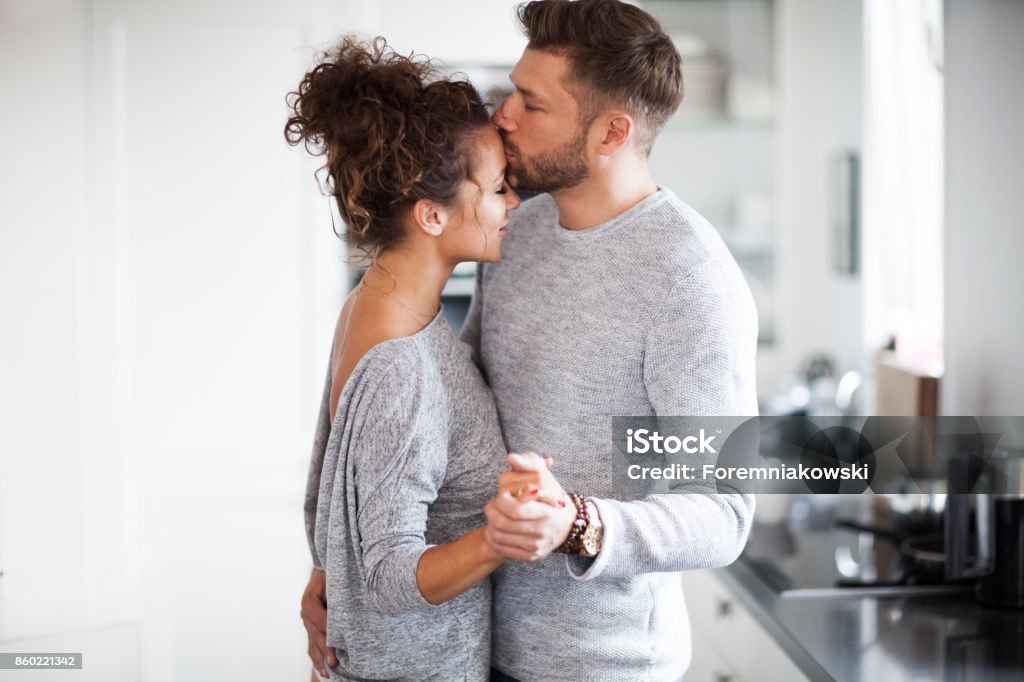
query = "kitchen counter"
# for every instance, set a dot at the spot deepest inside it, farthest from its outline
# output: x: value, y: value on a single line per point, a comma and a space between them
x: 865, y: 636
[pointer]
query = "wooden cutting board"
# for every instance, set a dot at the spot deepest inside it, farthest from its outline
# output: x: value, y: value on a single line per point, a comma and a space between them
x: 903, y: 390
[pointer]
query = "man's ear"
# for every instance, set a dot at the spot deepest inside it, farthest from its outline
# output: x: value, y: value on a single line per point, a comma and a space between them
x: 429, y: 217
x: 618, y: 130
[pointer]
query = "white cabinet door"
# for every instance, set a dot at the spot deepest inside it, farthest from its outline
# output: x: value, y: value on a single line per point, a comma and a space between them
x: 733, y: 646
x: 235, y: 282
x: 168, y: 288
x: 65, y: 513
x: 707, y: 665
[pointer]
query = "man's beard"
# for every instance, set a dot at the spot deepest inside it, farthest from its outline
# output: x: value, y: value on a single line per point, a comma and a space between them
x: 558, y: 169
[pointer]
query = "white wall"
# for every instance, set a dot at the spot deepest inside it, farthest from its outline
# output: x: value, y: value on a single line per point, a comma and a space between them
x: 984, y: 230
x: 472, y: 32
x: 819, y: 104
x: 51, y: 446
x: 169, y: 283
x: 169, y: 286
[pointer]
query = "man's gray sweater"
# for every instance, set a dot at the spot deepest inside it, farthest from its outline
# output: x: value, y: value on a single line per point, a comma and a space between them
x: 646, y: 314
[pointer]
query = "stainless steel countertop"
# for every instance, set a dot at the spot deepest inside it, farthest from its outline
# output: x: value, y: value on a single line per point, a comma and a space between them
x: 863, y: 636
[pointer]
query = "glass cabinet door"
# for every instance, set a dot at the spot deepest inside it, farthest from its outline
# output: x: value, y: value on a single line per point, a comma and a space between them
x: 717, y: 152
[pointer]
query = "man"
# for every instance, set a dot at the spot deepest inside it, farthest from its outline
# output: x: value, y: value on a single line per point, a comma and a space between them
x: 613, y: 297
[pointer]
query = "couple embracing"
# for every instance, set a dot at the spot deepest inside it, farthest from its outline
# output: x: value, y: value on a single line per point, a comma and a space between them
x: 437, y: 554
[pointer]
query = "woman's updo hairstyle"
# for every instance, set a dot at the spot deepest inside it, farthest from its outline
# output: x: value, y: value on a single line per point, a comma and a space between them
x: 393, y: 131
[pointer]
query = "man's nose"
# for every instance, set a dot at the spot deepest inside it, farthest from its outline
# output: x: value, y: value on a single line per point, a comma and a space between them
x: 502, y: 119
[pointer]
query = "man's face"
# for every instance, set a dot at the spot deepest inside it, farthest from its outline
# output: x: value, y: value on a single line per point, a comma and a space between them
x: 540, y: 126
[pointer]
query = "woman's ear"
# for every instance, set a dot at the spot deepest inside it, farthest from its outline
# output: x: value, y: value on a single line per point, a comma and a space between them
x: 429, y: 217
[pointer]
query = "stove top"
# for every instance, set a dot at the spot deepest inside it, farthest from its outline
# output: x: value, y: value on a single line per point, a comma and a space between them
x: 806, y: 555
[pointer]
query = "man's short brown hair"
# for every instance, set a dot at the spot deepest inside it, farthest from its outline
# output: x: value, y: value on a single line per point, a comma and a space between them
x: 618, y: 55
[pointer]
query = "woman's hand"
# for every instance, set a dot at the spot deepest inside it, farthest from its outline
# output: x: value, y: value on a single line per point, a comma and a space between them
x: 535, y: 484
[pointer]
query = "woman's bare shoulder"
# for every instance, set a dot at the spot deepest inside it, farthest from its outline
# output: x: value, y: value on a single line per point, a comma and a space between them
x: 361, y: 327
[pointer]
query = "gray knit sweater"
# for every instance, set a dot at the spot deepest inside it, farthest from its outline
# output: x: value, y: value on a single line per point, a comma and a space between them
x: 646, y: 314
x: 409, y: 461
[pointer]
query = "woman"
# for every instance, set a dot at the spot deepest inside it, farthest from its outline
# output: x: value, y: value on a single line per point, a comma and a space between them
x: 408, y: 447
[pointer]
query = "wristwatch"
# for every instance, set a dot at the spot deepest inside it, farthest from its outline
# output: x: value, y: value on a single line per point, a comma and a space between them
x: 586, y: 533
x: 593, y: 535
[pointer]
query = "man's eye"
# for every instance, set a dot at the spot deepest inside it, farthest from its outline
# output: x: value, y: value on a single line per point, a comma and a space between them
x: 529, y: 107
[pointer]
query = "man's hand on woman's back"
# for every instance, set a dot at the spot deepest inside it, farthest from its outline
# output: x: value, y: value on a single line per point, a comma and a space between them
x: 314, y: 617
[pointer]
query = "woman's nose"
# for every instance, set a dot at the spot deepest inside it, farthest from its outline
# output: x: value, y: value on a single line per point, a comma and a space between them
x: 511, y: 199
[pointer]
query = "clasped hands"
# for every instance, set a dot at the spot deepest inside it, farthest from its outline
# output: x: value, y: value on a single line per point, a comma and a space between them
x: 531, y: 514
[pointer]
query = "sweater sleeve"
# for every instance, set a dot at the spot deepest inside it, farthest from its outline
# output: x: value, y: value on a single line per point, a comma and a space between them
x: 397, y: 463
x: 316, y: 466
x: 698, y: 361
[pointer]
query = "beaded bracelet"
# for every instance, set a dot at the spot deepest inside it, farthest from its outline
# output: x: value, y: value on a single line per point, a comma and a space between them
x: 574, y: 542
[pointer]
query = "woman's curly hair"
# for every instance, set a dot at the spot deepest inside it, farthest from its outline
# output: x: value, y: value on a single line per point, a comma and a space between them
x: 393, y: 131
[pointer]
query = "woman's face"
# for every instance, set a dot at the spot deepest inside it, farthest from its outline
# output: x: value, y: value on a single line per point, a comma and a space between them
x: 484, y: 203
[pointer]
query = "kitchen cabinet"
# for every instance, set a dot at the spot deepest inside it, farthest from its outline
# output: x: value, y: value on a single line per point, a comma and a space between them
x: 728, y: 643
x: 718, y: 152
x: 773, y: 96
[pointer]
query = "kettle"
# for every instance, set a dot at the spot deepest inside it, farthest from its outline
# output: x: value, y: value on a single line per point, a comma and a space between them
x: 984, y: 525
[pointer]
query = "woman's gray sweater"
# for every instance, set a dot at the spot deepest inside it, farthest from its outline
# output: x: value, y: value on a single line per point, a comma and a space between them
x: 409, y: 461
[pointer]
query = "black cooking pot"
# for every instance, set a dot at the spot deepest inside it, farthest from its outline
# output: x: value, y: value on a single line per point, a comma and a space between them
x: 921, y: 559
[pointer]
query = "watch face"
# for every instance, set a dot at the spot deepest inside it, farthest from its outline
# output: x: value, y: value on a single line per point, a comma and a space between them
x: 592, y: 541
